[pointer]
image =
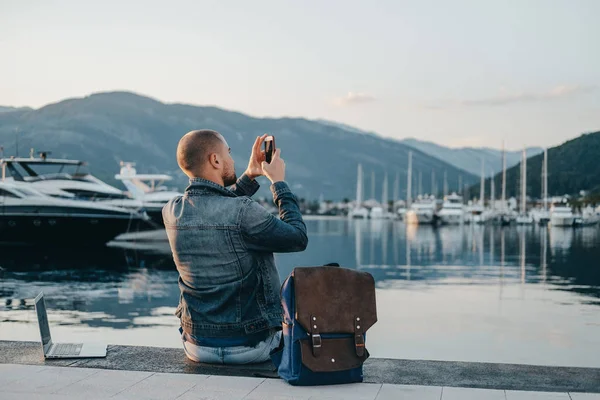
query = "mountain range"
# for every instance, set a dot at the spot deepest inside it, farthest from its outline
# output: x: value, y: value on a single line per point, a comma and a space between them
x: 321, y: 158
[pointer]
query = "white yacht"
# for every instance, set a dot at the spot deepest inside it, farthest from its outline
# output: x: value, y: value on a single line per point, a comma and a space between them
x: 524, y: 219
x: 477, y: 214
x: 422, y: 211
x: 540, y: 216
x: 147, y: 189
x: 452, y: 212
x: 561, y: 215
x: 58, y: 177
x: 68, y: 179
x: 359, y: 212
x: 588, y: 217
x: 380, y: 213
x: 30, y: 216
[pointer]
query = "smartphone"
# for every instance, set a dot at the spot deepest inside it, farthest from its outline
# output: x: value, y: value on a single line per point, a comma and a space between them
x: 269, y: 148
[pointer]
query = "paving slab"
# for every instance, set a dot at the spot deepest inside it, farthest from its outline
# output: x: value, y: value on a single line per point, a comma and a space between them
x: 585, y: 396
x: 104, y: 383
x: 161, y: 386
x: 454, y: 393
x: 521, y: 395
x: 48, y: 380
x: 409, y: 392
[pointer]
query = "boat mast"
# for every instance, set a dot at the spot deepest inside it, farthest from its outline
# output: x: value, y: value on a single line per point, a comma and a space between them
x: 384, y: 195
x: 396, y: 188
x: 492, y: 191
x: 482, y: 184
x: 373, y: 185
x: 545, y: 180
x: 524, y: 182
x: 445, y: 183
x: 409, y: 180
x: 503, y: 176
x: 359, y: 187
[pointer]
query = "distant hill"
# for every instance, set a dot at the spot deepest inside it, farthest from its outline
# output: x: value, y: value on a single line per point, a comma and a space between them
x: 469, y: 158
x: 106, y: 128
x: 572, y: 166
x: 4, y: 109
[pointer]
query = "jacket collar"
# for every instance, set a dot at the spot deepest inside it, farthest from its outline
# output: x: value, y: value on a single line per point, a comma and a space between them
x: 200, y: 185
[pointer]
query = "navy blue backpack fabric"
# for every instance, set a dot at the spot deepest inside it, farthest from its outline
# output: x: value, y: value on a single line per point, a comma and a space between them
x: 328, y: 351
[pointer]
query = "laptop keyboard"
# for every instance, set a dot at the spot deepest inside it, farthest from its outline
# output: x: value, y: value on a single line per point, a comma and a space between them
x: 66, y: 349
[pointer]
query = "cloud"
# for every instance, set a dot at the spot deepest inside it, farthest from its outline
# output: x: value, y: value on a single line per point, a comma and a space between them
x: 353, y: 98
x: 505, y: 97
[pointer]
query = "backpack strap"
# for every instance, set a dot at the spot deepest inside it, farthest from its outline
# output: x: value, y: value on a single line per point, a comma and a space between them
x: 359, y: 338
x: 315, y: 336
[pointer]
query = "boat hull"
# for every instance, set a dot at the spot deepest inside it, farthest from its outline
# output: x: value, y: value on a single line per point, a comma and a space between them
x: 419, y: 218
x: 451, y: 219
x: 65, y: 230
x: 561, y: 221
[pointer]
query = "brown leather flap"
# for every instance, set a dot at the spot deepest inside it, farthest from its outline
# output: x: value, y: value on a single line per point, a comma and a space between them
x: 336, y: 300
x: 336, y: 355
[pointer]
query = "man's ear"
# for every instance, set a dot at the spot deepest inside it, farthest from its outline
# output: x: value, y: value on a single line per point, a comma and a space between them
x: 215, y: 160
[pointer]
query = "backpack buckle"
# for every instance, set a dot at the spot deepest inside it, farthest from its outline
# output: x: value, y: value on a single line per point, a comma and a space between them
x: 315, y: 336
x: 359, y: 339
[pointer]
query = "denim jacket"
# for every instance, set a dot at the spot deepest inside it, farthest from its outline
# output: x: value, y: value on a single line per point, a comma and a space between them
x: 223, y: 243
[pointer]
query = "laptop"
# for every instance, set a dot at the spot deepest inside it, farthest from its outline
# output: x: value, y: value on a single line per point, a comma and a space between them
x: 62, y: 350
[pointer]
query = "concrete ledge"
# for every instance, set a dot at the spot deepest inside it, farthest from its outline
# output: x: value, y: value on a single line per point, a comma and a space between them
x: 376, y: 370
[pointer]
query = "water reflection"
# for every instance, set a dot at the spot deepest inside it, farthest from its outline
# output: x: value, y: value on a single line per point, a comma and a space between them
x: 472, y: 253
x: 133, y: 288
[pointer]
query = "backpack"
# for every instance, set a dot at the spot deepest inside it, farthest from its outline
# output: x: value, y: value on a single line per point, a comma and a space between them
x: 326, y: 313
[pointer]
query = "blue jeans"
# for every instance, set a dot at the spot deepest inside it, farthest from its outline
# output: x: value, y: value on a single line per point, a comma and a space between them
x: 232, y: 355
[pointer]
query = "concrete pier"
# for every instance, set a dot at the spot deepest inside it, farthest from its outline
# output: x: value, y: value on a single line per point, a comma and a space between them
x: 149, y: 372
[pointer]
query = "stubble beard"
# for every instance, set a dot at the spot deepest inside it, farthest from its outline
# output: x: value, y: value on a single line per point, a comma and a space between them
x: 229, y: 178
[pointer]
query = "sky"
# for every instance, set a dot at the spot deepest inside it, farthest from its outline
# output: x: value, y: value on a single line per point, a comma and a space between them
x: 457, y: 73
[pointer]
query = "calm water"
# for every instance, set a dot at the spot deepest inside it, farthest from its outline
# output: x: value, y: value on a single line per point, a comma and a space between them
x: 518, y: 295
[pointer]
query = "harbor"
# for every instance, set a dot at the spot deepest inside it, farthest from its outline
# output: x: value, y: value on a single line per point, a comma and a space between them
x: 288, y: 200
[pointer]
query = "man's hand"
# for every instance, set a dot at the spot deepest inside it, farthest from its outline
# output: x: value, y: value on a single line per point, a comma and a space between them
x: 257, y: 157
x: 275, y: 171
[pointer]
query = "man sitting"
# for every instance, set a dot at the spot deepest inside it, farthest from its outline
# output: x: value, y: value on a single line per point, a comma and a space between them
x: 223, y: 243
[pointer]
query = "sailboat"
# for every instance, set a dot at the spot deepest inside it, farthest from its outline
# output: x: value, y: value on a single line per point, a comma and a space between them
x: 523, y: 218
x: 359, y: 211
x: 383, y: 211
x: 421, y: 211
x: 399, y: 208
x: 476, y: 213
x: 502, y: 215
x: 542, y: 216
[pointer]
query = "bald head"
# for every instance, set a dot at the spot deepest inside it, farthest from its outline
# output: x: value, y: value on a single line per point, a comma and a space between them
x: 205, y: 154
x: 195, y: 148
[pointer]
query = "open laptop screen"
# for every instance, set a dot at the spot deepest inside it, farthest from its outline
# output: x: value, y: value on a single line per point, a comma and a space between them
x: 40, y: 308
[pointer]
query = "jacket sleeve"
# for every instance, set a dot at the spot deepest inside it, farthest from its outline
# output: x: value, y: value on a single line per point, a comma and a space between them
x: 262, y: 231
x: 245, y: 186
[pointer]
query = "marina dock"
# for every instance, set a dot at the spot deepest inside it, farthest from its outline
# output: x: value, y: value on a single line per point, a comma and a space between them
x: 135, y: 372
